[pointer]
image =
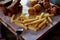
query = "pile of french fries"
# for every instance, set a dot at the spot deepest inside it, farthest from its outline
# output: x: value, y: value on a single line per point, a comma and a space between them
x: 35, y: 23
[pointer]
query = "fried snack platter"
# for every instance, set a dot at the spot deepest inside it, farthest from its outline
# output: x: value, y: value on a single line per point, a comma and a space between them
x: 31, y: 30
x: 30, y: 34
x: 39, y: 13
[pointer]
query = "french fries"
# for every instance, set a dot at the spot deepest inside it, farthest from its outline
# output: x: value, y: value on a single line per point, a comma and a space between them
x: 32, y: 28
x: 50, y: 20
x: 41, y: 24
x: 48, y: 15
x: 12, y: 18
x: 37, y: 22
x: 29, y: 20
x: 47, y: 23
x: 41, y: 15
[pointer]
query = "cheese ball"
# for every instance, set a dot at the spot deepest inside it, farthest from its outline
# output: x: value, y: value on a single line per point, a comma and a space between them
x: 54, y: 10
x: 32, y: 11
x: 38, y: 7
x: 47, y: 5
x: 33, y: 2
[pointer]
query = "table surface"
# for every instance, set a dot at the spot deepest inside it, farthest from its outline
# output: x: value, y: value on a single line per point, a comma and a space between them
x: 27, y: 34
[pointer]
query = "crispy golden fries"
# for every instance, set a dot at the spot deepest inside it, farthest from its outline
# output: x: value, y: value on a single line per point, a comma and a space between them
x: 41, y: 24
x: 41, y: 15
x: 12, y: 18
x: 48, y: 15
x: 47, y: 23
x: 29, y: 20
x: 32, y: 28
x: 50, y: 20
x: 35, y: 23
